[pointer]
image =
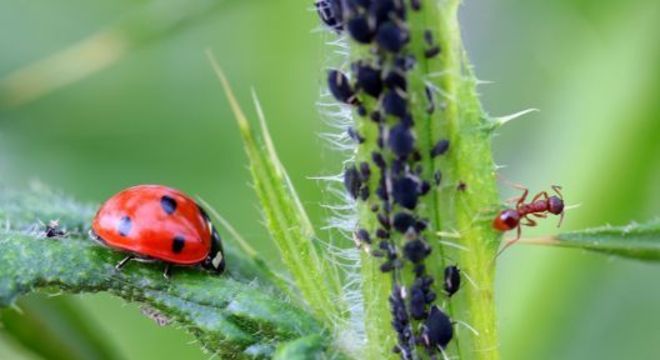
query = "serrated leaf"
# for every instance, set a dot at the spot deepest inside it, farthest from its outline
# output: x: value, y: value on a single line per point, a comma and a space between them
x: 637, y: 241
x: 286, y: 219
x: 231, y: 317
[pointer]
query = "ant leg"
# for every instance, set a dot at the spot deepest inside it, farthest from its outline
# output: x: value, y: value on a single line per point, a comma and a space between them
x: 167, y: 272
x: 561, y: 219
x: 523, y: 197
x: 510, y: 242
x: 123, y: 262
x: 543, y: 194
x: 530, y: 222
x: 540, y: 215
x: 557, y: 189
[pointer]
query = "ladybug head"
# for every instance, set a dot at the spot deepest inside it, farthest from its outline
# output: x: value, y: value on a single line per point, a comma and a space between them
x: 216, y: 259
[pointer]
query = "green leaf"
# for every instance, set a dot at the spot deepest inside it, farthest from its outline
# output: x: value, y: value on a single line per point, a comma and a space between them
x: 229, y: 316
x: 636, y: 241
x: 286, y: 219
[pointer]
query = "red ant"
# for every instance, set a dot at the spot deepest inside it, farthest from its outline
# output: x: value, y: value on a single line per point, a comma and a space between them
x: 509, y: 219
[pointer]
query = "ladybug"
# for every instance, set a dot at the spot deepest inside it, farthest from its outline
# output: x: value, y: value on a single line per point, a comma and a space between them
x: 157, y: 223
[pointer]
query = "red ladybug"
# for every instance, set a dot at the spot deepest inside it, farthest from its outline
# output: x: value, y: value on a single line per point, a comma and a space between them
x: 157, y: 223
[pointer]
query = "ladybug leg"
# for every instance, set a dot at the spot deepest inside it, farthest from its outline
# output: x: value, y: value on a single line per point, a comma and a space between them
x: 123, y: 262
x: 167, y: 272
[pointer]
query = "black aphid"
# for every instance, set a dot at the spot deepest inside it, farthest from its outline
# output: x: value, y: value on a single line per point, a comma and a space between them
x: 437, y: 330
x: 405, y: 63
x: 416, y: 4
x: 364, y: 193
x: 361, y: 110
x: 417, y: 303
x: 421, y: 225
x: 340, y: 87
x: 378, y: 159
x: 384, y: 221
x: 424, y: 188
x: 391, y: 37
x: 376, y: 116
x: 394, y: 103
x: 452, y: 280
x: 395, y: 79
x: 368, y: 79
x: 462, y: 186
x: 430, y: 107
x: 365, y: 171
x: 382, y: 233
x: 400, y: 320
x: 404, y: 192
x: 440, y: 148
x: 386, y: 10
x: 428, y: 37
x: 53, y: 229
x: 432, y: 52
x: 437, y: 177
x: 416, y: 250
x: 403, y: 221
x: 398, y: 166
x: 330, y: 12
x: 361, y: 28
x: 352, y: 181
x: 401, y: 140
x: 353, y: 134
x: 362, y: 235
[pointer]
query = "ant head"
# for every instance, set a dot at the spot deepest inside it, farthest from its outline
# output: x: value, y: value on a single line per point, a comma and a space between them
x: 555, y: 205
x: 507, y: 220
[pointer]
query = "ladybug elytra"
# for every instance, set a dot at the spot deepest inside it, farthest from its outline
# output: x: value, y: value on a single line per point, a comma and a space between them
x: 158, y: 223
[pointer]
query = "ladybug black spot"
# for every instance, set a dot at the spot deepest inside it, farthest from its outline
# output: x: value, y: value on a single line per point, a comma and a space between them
x: 177, y: 244
x: 168, y: 204
x: 124, y: 226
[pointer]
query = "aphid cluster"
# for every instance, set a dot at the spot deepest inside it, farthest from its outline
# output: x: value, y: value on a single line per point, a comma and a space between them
x: 391, y: 180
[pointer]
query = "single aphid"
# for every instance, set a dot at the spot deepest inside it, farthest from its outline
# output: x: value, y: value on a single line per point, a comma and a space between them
x: 437, y: 330
x: 54, y: 230
x: 341, y: 88
x: 362, y: 28
x: 452, y: 280
x: 391, y: 37
x: 368, y: 78
x: 157, y: 223
x: 401, y: 140
x: 440, y: 148
x: 394, y: 103
x: 352, y: 181
x: 405, y: 192
x: 330, y: 12
x: 541, y: 204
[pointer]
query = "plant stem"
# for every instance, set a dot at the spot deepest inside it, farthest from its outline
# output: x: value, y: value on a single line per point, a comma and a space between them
x: 466, y: 211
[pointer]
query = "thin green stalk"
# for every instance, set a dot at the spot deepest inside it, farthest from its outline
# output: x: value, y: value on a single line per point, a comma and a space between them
x: 470, y: 163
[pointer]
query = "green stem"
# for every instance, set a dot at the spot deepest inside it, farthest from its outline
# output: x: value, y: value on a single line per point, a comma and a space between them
x: 469, y: 162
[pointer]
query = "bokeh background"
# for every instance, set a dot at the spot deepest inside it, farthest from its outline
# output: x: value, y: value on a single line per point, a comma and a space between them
x: 156, y: 114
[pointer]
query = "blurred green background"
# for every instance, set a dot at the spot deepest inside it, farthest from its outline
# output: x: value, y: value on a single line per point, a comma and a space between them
x: 157, y: 115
